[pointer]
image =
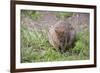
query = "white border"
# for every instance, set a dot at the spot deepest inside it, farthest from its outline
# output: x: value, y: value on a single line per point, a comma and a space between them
x: 60, y: 63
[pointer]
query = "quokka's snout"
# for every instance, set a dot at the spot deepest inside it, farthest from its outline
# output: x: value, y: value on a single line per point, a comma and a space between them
x: 61, y: 36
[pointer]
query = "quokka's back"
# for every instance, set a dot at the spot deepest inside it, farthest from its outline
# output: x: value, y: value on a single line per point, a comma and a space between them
x: 61, y: 36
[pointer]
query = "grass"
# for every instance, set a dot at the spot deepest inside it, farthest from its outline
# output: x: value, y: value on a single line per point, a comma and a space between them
x: 35, y: 15
x: 35, y: 47
x: 63, y: 15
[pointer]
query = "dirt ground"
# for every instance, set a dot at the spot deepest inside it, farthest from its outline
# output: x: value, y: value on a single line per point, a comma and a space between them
x: 78, y: 21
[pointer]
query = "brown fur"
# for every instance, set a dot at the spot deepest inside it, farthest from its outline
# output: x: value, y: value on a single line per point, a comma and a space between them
x: 61, y: 36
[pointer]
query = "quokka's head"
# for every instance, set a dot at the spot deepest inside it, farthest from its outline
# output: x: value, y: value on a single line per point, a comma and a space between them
x: 61, y: 35
x: 60, y: 32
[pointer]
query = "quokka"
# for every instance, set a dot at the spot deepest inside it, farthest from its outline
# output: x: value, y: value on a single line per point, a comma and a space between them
x: 61, y: 36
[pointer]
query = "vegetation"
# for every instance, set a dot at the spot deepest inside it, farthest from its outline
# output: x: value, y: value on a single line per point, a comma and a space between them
x: 63, y: 15
x: 35, y: 47
x: 32, y: 14
x: 82, y: 45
